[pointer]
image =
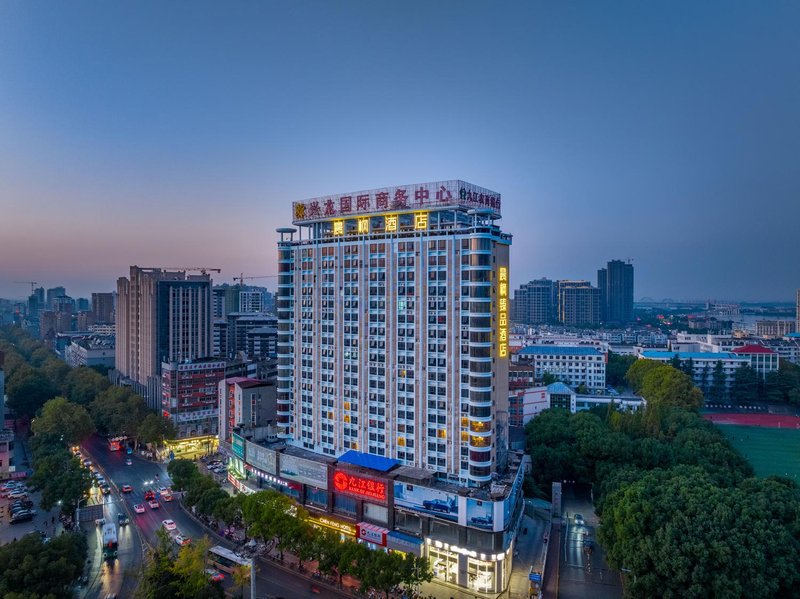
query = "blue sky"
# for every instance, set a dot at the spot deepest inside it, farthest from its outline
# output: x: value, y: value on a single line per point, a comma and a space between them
x: 178, y: 133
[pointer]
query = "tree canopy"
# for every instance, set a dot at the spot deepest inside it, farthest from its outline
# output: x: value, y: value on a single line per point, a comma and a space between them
x: 69, y: 420
x: 31, y: 569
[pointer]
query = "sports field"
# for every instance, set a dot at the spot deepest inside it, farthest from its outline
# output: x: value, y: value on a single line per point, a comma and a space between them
x: 769, y: 450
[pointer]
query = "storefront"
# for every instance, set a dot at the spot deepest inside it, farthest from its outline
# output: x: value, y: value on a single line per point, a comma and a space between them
x: 479, y: 572
x: 240, y: 485
x: 190, y: 449
x: 346, y: 530
x: 266, y: 480
x: 403, y: 543
x: 371, y: 535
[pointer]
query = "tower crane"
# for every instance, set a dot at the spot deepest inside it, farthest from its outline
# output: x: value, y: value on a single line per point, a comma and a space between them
x: 33, y: 284
x: 241, y: 278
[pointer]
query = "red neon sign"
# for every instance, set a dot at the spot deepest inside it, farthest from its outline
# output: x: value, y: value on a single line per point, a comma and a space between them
x: 361, y: 487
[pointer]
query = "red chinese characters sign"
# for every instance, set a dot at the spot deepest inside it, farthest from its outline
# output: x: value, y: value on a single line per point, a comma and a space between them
x: 358, y: 486
x: 405, y: 197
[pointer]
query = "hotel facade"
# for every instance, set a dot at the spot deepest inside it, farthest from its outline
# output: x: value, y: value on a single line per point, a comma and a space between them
x: 393, y: 311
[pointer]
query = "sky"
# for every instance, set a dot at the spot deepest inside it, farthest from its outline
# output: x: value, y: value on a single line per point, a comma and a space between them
x: 178, y: 133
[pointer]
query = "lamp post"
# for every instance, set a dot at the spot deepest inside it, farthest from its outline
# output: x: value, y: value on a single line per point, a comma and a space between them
x: 78, y: 509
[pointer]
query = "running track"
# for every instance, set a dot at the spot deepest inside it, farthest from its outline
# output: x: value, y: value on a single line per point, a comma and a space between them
x: 765, y: 420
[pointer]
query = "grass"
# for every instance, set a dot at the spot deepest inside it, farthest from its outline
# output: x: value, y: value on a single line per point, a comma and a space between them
x: 770, y: 450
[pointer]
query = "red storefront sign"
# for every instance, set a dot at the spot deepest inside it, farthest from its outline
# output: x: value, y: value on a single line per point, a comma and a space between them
x: 372, y: 534
x: 358, y: 486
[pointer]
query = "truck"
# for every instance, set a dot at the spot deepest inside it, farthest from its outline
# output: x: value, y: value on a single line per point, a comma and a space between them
x: 109, y: 541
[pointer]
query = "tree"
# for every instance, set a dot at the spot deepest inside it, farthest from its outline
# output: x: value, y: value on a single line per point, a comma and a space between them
x: 548, y: 379
x: 119, y: 411
x: 241, y: 577
x: 28, y: 389
x: 154, y: 429
x: 57, y: 473
x: 183, y: 473
x: 30, y: 568
x: 71, y: 421
x: 746, y: 383
x: 675, y: 362
x: 665, y: 386
x: 82, y: 385
x: 190, y: 568
x: 716, y: 391
x: 616, y: 368
x: 638, y: 370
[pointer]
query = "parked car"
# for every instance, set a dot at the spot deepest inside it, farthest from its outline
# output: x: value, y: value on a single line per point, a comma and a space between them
x: 105, y: 489
x: 18, y: 495
x: 139, y: 508
x: 21, y: 517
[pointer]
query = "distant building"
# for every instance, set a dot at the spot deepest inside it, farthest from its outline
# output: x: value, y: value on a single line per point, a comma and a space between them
x: 575, y: 365
x: 578, y: 303
x: 164, y: 317
x: 242, y: 325
x: 615, y: 285
x: 54, y: 293
x: 103, y: 307
x: 762, y: 359
x: 189, y: 395
x: 559, y: 396
x: 91, y: 350
x: 774, y: 329
x: 6, y: 436
x: 703, y: 365
x: 536, y: 302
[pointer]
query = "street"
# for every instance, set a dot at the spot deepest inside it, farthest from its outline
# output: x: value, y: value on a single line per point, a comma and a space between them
x: 142, y: 475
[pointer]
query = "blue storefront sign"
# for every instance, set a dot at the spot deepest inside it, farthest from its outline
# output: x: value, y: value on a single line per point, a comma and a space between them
x: 237, y: 444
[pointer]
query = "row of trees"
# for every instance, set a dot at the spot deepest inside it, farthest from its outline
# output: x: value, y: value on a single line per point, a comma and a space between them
x: 34, y: 375
x: 680, y: 509
x: 276, y: 520
x: 33, y: 569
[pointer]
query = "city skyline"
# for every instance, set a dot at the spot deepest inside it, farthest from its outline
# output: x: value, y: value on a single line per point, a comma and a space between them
x: 153, y: 136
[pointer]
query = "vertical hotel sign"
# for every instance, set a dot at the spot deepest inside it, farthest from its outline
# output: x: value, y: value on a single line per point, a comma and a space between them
x: 502, y: 312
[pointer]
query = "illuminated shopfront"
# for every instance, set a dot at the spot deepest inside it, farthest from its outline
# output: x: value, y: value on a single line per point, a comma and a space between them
x: 190, y: 449
x: 481, y: 572
x: 346, y: 530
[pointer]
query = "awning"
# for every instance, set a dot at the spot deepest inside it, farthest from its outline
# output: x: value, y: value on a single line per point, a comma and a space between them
x: 403, y: 542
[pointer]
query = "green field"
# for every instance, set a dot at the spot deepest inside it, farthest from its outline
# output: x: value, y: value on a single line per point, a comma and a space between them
x: 769, y: 450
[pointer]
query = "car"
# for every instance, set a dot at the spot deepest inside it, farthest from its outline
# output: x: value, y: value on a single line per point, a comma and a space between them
x: 163, y: 490
x: 87, y: 462
x: 181, y: 540
x: 215, y: 575
x: 20, y: 503
x: 127, y: 489
x: 139, y: 508
x: 149, y: 494
x: 129, y: 450
x: 128, y: 462
x: 169, y: 524
x: 21, y: 517
x: 100, y: 522
x: 153, y: 504
x: 579, y: 521
x: 166, y: 496
x: 436, y: 505
x: 588, y: 542
x: 482, y: 520
x: 10, y: 485
x: 122, y: 519
x: 18, y: 495
x: 105, y: 489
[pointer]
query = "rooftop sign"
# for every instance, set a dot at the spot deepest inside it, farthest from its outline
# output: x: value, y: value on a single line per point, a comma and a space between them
x: 418, y: 196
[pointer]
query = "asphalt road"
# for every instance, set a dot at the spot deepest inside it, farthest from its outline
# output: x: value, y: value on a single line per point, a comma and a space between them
x: 141, y: 475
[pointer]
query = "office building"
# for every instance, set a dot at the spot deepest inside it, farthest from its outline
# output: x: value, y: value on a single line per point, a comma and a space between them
x: 578, y: 304
x: 393, y: 313
x: 536, y: 302
x: 163, y: 316
x: 615, y: 284
x: 189, y: 395
x: 103, y: 307
x: 241, y: 326
x: 54, y: 293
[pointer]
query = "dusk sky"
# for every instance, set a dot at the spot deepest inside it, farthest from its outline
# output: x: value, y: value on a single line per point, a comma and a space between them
x: 179, y: 133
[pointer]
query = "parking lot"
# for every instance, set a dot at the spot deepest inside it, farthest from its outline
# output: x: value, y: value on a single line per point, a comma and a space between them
x: 37, y: 520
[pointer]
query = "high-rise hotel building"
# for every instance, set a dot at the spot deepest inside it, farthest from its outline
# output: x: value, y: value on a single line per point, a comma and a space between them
x: 393, y: 311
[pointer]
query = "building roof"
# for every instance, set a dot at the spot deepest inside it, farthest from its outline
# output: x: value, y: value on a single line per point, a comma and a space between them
x: 559, y: 388
x: 692, y: 355
x: 561, y: 350
x: 366, y: 460
x: 752, y: 349
x: 793, y: 335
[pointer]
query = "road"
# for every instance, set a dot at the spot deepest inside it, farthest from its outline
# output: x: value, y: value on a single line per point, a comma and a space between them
x: 142, y: 475
x: 583, y: 571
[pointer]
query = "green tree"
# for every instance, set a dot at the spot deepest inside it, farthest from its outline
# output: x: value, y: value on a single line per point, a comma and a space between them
x: 82, y: 385
x: 183, y: 473
x: 30, y: 568
x: 637, y: 372
x: 241, y: 577
x: 665, y: 386
x: 716, y: 392
x: 745, y: 387
x: 549, y: 379
x: 57, y: 473
x: 28, y: 389
x: 675, y: 362
x: 155, y: 429
x: 63, y: 417
x: 190, y: 568
x: 616, y: 368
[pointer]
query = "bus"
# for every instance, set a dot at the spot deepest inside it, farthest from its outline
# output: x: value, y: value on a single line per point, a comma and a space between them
x: 116, y: 443
x: 225, y: 559
x: 109, y: 541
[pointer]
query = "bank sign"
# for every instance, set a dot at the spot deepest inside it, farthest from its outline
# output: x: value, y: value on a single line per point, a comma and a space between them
x: 418, y: 196
x: 358, y: 486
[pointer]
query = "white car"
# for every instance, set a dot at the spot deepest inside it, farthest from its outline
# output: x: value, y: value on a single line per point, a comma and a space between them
x: 181, y: 540
x: 169, y: 524
x: 139, y: 508
x: 163, y: 490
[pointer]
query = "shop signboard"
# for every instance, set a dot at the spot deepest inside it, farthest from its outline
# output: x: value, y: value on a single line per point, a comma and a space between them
x: 360, y: 487
x: 372, y: 534
x: 337, y: 525
x: 237, y: 445
x: 480, y: 514
x: 304, y: 471
x: 261, y: 457
x: 426, y: 500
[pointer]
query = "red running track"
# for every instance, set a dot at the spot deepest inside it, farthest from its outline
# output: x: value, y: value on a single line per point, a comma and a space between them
x: 765, y: 420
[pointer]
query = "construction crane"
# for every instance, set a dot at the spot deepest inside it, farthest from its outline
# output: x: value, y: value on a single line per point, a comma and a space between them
x: 33, y: 284
x: 241, y: 278
x: 202, y: 269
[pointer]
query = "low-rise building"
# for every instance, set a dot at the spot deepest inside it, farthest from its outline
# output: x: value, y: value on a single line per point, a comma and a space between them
x: 573, y: 364
x: 535, y: 400
x: 90, y: 350
x: 703, y: 365
x: 762, y: 359
x: 245, y: 404
x: 189, y: 395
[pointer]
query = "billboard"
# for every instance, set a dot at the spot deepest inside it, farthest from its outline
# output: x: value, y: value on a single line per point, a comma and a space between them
x: 237, y: 445
x: 359, y: 487
x: 426, y: 500
x: 480, y: 514
x: 304, y: 471
x: 261, y: 458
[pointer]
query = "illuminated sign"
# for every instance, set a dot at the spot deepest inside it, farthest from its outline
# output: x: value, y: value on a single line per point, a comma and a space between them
x: 391, y: 223
x: 371, y: 533
x: 358, y: 486
x: 439, y: 194
x: 338, y: 227
x: 363, y: 225
x: 421, y: 220
x: 502, y: 312
x: 342, y: 527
